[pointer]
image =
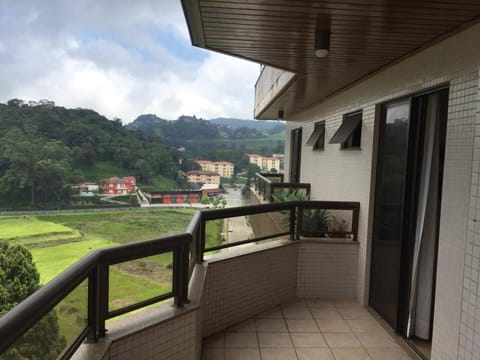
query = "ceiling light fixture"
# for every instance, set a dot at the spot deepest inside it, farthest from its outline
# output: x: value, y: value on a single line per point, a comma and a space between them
x: 322, y: 43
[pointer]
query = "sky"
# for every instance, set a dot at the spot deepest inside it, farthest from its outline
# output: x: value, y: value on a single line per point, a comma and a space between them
x: 121, y: 58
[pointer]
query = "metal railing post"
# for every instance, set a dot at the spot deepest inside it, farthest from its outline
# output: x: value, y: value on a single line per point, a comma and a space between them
x: 92, y: 335
x: 202, y: 239
x: 292, y: 222
x: 102, y: 298
x: 176, y: 278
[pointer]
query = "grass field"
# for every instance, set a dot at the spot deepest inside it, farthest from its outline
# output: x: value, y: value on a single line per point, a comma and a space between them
x: 28, y: 230
x: 62, y: 239
x: 103, y: 170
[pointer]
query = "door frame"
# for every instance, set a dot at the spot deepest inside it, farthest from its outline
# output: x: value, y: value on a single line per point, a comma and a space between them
x: 295, y: 154
x: 410, y: 201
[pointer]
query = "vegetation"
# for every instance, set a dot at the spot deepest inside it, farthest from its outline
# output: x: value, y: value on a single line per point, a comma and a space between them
x: 199, y: 137
x: 45, y: 148
x: 18, y: 279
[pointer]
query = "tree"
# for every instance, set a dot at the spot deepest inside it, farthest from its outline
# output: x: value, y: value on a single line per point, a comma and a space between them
x: 205, y: 200
x: 19, y: 278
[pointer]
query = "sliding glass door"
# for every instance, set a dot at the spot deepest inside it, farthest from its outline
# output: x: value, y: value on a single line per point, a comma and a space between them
x: 407, y: 212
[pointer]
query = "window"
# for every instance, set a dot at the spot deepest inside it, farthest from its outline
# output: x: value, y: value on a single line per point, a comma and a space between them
x: 317, y: 139
x: 349, y: 134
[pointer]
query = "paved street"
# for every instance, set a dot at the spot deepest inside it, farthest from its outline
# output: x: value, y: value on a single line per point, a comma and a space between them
x: 240, y: 229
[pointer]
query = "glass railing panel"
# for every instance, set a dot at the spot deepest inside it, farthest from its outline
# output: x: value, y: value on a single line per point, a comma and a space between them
x: 327, y: 223
x: 57, y: 331
x: 132, y: 282
x: 250, y: 229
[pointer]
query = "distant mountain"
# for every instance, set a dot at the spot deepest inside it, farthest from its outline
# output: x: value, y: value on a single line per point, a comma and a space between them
x: 261, y: 125
x: 199, y: 136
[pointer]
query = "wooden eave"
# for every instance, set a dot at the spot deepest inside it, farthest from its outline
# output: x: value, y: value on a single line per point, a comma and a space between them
x: 366, y: 35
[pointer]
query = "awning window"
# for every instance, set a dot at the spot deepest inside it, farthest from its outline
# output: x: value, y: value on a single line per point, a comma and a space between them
x: 350, y: 123
x: 317, y: 139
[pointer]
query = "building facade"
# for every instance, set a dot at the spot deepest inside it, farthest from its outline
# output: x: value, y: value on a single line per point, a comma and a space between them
x: 266, y: 163
x: 223, y: 168
x: 203, y: 177
x: 120, y: 186
x: 388, y: 117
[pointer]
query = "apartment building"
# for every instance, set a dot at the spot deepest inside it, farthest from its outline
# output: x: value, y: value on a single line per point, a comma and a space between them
x: 203, y: 177
x: 266, y: 163
x: 223, y: 168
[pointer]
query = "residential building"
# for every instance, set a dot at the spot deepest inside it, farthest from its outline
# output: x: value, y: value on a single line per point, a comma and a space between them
x: 203, y: 177
x: 223, y: 168
x: 266, y: 163
x: 182, y: 196
x: 386, y: 115
x: 119, y: 186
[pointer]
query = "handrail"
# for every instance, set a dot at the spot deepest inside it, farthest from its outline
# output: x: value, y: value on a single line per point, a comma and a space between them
x: 266, y: 187
x: 95, y: 268
x: 26, y: 314
x: 295, y: 217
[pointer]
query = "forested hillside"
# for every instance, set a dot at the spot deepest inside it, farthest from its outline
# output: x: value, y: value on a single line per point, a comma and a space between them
x: 200, y: 137
x: 45, y: 147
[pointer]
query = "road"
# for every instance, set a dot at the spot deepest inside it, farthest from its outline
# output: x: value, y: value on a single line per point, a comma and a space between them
x: 239, y: 226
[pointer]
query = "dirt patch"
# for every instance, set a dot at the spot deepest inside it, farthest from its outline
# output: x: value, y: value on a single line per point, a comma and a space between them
x: 154, y: 271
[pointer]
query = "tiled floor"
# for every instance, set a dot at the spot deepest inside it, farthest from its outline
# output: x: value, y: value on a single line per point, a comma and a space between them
x: 306, y: 330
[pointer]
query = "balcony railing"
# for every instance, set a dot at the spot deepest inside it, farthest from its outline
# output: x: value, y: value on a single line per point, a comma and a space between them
x: 269, y: 185
x: 296, y: 220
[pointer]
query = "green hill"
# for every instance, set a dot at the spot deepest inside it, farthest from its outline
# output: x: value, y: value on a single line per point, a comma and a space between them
x: 200, y: 137
x: 44, y: 147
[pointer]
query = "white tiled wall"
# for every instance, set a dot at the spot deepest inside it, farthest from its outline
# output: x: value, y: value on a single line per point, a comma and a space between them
x: 327, y: 270
x: 241, y: 287
x: 170, y: 340
x: 468, y: 103
x: 346, y: 175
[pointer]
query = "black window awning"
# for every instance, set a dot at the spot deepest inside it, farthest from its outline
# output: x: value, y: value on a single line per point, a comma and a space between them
x: 317, y: 134
x: 347, y: 128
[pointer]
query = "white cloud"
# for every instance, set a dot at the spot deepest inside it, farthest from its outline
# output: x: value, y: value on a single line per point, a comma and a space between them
x: 106, y: 55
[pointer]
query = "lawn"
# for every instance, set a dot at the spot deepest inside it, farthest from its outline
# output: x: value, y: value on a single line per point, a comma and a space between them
x: 126, y: 226
x: 104, y: 170
x: 52, y: 260
x: 22, y: 229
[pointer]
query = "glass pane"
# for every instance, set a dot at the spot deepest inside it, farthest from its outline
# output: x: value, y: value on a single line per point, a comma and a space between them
x: 240, y: 228
x: 389, y: 211
x: 138, y: 280
x: 330, y: 223
x: 56, y: 331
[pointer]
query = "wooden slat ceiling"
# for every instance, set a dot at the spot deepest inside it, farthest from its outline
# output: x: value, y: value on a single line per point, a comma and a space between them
x: 366, y: 35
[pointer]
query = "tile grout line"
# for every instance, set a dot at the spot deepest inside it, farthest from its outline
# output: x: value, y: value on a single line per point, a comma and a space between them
x: 256, y: 334
x: 353, y: 332
x: 320, y: 330
x: 288, y: 330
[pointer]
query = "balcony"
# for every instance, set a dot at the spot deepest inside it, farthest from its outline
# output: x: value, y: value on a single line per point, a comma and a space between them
x: 268, y: 186
x: 270, y: 84
x: 215, y: 287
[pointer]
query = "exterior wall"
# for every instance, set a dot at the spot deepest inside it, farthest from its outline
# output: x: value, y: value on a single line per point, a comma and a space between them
x: 468, y: 101
x: 241, y: 287
x: 224, y: 168
x: 204, y: 178
x: 270, y: 82
x: 327, y: 270
x: 346, y: 175
x: 171, y: 340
